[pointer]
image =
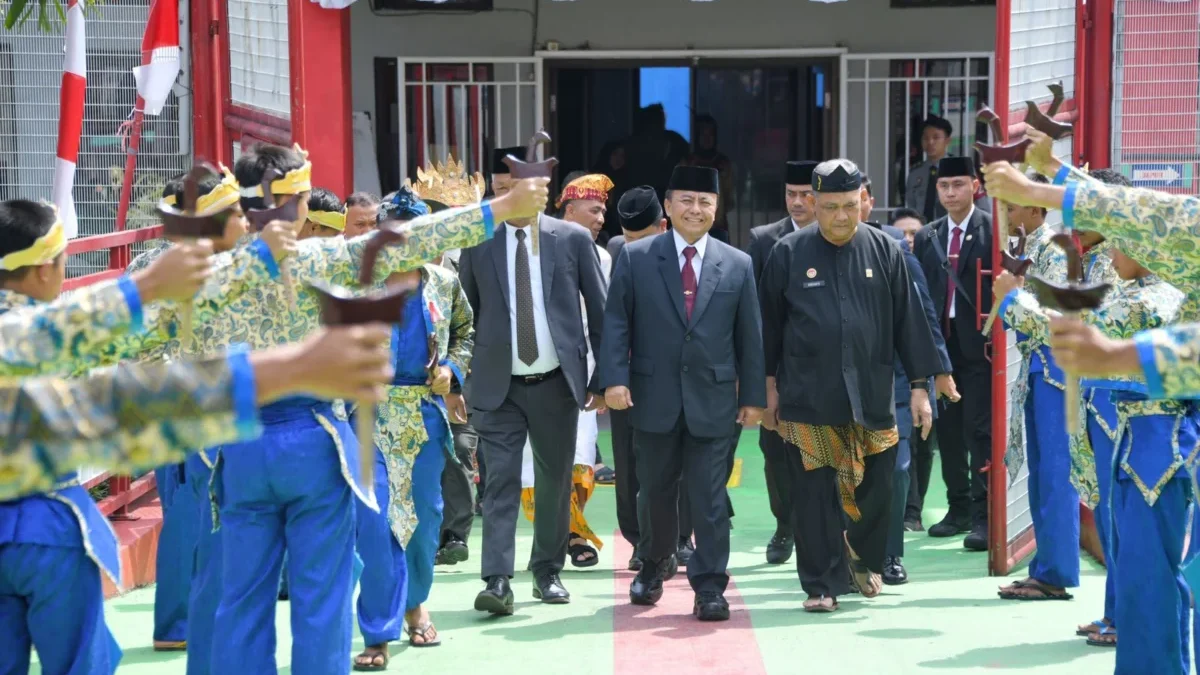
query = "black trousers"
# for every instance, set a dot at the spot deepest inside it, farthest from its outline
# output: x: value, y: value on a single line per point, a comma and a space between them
x: 663, y: 460
x: 627, y: 487
x: 774, y: 451
x: 819, y: 522
x: 920, y: 471
x: 965, y: 437
x: 458, y: 485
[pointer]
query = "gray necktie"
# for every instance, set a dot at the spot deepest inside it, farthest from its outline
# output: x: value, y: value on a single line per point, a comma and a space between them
x: 527, y: 349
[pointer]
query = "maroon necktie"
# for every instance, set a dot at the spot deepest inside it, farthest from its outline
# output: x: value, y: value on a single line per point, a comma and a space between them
x: 689, y: 280
x: 955, y: 248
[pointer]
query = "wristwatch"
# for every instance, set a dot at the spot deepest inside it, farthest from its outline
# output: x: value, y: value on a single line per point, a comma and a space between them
x: 919, y: 384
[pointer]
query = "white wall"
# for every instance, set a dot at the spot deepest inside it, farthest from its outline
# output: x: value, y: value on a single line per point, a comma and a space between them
x: 859, y: 25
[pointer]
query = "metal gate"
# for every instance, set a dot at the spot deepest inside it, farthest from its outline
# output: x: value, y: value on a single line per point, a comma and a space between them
x: 885, y: 97
x: 466, y: 108
x: 31, y: 63
x: 1035, y: 45
x: 1156, y: 112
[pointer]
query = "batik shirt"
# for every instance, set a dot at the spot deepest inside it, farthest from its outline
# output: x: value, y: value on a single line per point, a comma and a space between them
x: 1132, y: 307
x: 125, y: 419
x: 1162, y: 232
x: 1049, y: 263
x: 400, y: 430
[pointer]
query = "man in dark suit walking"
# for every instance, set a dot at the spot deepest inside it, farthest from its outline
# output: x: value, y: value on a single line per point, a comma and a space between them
x: 683, y: 349
x: 529, y: 379
x: 797, y: 187
x: 952, y: 250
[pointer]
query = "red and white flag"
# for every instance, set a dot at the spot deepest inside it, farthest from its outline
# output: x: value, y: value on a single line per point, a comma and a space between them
x: 70, y: 120
x: 160, y: 54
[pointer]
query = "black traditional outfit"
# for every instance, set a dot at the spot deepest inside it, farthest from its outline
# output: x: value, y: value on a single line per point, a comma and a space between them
x: 842, y: 312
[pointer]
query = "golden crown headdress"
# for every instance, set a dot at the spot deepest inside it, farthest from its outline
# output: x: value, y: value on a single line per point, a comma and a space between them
x: 448, y: 183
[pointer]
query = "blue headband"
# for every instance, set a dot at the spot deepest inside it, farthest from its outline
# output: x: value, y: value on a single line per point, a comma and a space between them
x: 402, y: 205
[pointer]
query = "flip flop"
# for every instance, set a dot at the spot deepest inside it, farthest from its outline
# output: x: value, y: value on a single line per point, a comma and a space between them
x: 1046, y: 592
x: 1098, y: 624
x: 1109, y: 631
x: 420, y: 632
x: 170, y: 645
x: 371, y: 667
x: 822, y: 609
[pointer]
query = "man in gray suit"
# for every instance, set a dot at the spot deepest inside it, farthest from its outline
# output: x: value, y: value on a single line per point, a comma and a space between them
x: 683, y: 348
x: 920, y: 190
x: 797, y: 187
x: 529, y: 379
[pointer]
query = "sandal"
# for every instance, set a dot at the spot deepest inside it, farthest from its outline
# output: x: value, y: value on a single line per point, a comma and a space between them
x: 170, y: 645
x: 1032, y: 590
x: 368, y: 660
x: 423, y: 633
x: 819, y: 607
x: 862, y: 578
x: 1089, y: 629
x: 582, y: 554
x: 1106, y: 637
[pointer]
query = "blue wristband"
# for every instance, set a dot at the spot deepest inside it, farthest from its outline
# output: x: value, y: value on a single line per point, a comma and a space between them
x: 1144, y: 342
x: 1060, y: 177
x: 133, y: 299
x: 1068, y: 207
x: 489, y: 219
x: 264, y: 254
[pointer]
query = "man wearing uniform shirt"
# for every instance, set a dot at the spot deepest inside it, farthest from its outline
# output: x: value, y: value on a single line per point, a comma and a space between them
x: 953, y: 250
x: 682, y: 347
x: 838, y: 304
x: 797, y: 187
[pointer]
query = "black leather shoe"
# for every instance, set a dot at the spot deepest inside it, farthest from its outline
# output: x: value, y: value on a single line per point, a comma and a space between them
x: 711, y: 606
x: 779, y: 549
x: 977, y: 540
x: 894, y: 573
x: 496, y: 598
x: 647, y: 586
x: 635, y: 563
x: 914, y: 525
x: 950, y: 526
x: 685, y: 551
x: 452, y: 552
x: 549, y: 589
x: 670, y: 568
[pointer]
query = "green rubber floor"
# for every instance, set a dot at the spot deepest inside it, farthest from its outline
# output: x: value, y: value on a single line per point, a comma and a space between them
x: 947, y: 619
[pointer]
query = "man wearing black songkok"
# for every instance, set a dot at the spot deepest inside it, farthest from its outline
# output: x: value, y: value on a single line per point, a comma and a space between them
x: 837, y: 304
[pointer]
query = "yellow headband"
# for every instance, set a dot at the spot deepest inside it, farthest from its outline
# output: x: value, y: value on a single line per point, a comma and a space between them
x: 170, y: 200
x: 295, y: 182
x: 331, y: 219
x: 223, y: 196
x: 46, y: 249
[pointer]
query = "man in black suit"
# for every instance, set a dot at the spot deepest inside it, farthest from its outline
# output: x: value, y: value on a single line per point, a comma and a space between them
x: 641, y: 216
x: 683, y: 348
x: 529, y: 379
x: 954, y: 249
x: 797, y: 187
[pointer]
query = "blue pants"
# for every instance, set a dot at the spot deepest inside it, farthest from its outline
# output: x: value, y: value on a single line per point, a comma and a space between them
x: 285, y: 493
x: 900, y: 480
x: 1153, y: 604
x: 1053, y: 501
x: 176, y: 551
x: 1102, y: 446
x: 382, y: 598
x: 427, y: 500
x: 51, y: 598
x: 205, y: 589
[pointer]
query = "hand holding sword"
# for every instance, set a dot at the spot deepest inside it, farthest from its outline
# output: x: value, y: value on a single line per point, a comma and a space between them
x: 1070, y: 298
x: 186, y: 224
x: 288, y: 212
x: 531, y: 168
x: 342, y: 307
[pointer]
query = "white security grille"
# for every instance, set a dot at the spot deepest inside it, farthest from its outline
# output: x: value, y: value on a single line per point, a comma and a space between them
x: 1156, y: 109
x: 31, y: 65
x: 258, y: 56
x: 466, y: 108
x: 1041, y: 52
x: 885, y: 98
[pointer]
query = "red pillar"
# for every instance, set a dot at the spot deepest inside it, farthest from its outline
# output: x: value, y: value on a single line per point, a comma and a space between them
x: 321, y: 81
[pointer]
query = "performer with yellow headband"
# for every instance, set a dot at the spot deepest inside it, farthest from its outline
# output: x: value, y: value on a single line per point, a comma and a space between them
x: 583, y: 201
x: 60, y: 537
x: 326, y: 215
x: 303, y: 505
x: 413, y: 438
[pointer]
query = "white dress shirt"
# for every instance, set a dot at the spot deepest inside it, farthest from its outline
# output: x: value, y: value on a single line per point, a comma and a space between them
x: 962, y: 240
x: 547, y: 359
x: 698, y: 259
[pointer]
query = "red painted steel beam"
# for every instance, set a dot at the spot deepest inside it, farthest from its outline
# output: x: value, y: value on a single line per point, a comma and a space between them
x: 322, y: 120
x: 998, y: 560
x: 117, y: 501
